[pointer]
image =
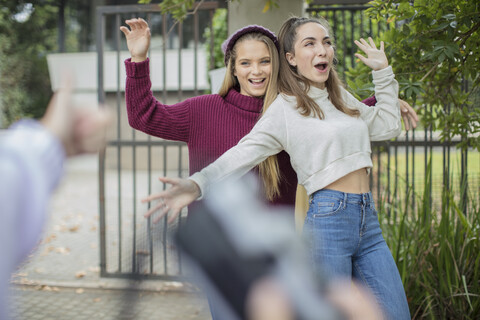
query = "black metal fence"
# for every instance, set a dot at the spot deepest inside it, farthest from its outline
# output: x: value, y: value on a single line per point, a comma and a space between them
x: 131, y: 246
x: 131, y: 162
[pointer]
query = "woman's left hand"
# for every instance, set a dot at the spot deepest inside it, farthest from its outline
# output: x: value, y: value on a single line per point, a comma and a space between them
x: 410, y: 117
x: 376, y: 58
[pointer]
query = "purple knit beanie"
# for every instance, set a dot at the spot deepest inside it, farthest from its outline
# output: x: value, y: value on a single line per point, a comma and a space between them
x: 228, y: 44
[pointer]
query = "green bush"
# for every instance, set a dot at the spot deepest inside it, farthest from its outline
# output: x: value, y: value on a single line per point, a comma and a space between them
x: 220, y: 33
x: 24, y: 82
x: 433, y: 48
x: 436, y: 250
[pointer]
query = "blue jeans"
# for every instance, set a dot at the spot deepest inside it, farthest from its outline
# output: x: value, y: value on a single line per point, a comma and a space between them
x: 345, y: 240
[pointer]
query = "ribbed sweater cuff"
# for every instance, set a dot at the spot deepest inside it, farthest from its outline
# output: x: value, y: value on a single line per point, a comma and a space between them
x: 382, y: 73
x: 202, y: 183
x: 137, y: 69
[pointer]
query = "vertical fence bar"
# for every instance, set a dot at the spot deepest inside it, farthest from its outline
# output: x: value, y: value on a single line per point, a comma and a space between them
x: 165, y: 219
x: 164, y: 56
x: 334, y: 13
x: 212, y: 41
x: 180, y: 40
x: 379, y: 171
x: 430, y: 129
x: 179, y: 220
x: 464, y: 165
x: 195, y: 54
x: 344, y: 60
x: 413, y: 168
x: 446, y: 168
x: 352, y: 38
x: 101, y: 160
x: 119, y: 117
x: 407, y: 175
x: 149, y: 176
x: 389, y: 168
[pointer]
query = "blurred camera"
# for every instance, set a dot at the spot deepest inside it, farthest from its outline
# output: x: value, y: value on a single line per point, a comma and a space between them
x: 234, y: 239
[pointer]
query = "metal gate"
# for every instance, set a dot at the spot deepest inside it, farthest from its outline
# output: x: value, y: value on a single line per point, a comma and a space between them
x: 133, y: 246
x: 130, y: 245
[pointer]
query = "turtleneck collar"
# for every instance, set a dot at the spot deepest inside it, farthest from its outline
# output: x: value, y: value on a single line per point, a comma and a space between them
x: 243, y: 102
x: 317, y: 93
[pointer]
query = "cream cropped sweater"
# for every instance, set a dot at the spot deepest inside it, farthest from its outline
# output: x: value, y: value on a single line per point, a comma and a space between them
x: 321, y: 150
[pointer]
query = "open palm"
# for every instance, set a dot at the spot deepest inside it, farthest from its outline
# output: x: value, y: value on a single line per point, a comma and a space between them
x: 376, y: 58
x: 138, y: 38
x: 181, y: 193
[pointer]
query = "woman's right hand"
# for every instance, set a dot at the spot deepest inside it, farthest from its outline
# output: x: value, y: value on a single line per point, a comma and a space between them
x: 174, y: 199
x: 138, y: 38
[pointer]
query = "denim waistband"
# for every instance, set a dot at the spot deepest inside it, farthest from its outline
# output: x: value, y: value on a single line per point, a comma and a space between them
x: 346, y: 197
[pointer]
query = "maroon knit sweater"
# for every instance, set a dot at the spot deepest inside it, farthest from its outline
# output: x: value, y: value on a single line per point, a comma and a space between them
x: 209, y: 124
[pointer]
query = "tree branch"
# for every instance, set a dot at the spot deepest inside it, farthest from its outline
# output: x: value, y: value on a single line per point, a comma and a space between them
x: 467, y: 34
x: 428, y: 73
x: 187, y: 14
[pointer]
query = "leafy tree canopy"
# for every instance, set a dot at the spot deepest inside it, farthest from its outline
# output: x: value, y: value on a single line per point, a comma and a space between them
x: 27, y: 33
x: 434, y: 48
x: 179, y: 8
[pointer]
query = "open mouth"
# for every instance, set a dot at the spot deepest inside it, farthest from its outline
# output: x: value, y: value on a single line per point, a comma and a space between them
x: 256, y: 81
x: 321, y: 66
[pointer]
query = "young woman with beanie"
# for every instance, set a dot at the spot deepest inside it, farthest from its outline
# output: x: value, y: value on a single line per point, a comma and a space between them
x: 213, y: 123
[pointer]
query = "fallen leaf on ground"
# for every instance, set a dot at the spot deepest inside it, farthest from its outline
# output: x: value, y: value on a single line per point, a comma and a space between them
x: 80, y: 274
x: 62, y: 250
x: 74, y: 228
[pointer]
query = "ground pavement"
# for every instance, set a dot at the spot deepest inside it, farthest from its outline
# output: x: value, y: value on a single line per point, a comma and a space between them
x: 61, y: 279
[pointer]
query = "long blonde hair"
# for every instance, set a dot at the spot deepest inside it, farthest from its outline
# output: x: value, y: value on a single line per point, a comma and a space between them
x: 294, y: 84
x: 269, y: 170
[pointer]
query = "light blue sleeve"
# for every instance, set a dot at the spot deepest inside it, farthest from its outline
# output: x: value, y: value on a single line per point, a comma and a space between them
x: 31, y: 164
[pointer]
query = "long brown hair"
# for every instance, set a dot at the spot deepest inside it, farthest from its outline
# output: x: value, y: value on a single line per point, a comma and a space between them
x: 269, y: 170
x: 294, y: 84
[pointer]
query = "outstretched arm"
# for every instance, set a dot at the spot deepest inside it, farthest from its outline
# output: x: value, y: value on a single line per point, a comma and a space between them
x: 138, y: 38
x: 174, y: 199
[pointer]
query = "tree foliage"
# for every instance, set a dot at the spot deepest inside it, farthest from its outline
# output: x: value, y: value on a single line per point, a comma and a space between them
x: 220, y: 33
x: 434, y: 48
x: 179, y: 8
x: 26, y: 34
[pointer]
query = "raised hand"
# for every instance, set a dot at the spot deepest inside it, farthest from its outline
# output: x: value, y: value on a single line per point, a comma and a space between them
x: 81, y: 129
x: 410, y: 117
x: 138, y: 38
x: 174, y: 199
x: 376, y: 58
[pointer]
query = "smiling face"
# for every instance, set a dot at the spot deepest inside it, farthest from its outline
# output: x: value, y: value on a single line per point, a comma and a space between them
x: 313, y: 53
x: 252, y: 67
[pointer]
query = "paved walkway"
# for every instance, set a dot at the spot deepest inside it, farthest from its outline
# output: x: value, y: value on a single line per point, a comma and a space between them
x: 61, y: 279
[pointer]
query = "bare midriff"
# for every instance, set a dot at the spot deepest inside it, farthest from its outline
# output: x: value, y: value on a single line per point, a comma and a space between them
x: 354, y: 182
